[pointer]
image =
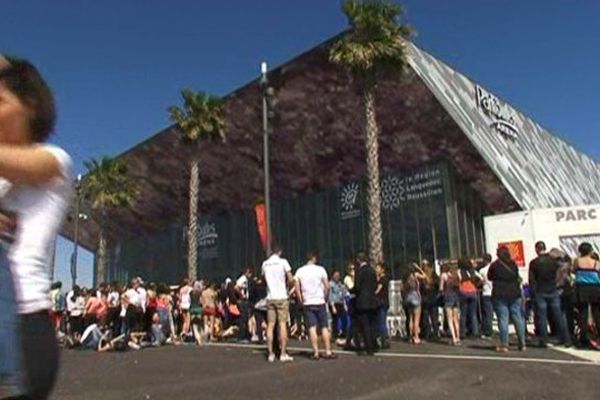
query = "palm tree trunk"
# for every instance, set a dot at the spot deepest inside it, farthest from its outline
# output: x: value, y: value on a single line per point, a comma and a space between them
x: 101, y: 263
x: 193, y: 221
x: 374, y: 189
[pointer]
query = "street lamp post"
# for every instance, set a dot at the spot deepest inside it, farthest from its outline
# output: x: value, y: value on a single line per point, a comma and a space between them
x: 76, y: 230
x: 264, y: 84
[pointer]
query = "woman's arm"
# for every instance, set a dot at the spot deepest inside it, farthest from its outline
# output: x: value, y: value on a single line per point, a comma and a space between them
x: 443, y: 281
x: 30, y: 165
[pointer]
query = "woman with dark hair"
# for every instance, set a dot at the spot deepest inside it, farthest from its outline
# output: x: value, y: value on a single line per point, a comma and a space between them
x: 449, y: 287
x: 383, y: 304
x: 429, y: 292
x: 38, y: 182
x: 185, y: 302
x: 564, y: 284
x: 587, y: 291
x: 506, y: 296
x: 412, y: 301
x: 469, y: 282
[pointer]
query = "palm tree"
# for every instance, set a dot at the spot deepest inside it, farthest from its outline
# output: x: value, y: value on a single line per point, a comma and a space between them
x: 107, y: 187
x: 373, y: 48
x: 201, y: 117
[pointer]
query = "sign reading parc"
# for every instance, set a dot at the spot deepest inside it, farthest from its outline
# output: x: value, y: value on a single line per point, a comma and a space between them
x: 579, y: 214
x: 503, y: 117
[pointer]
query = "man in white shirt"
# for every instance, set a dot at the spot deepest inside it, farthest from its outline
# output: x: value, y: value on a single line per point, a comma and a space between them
x: 242, y: 287
x: 142, y: 293
x: 487, y: 308
x: 312, y: 288
x: 135, y: 300
x: 278, y: 274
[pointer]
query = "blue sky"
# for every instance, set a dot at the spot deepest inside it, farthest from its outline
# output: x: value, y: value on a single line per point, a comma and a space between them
x: 115, y: 66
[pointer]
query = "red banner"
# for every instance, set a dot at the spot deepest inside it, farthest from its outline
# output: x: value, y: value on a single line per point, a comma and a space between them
x: 261, y: 223
x: 516, y: 251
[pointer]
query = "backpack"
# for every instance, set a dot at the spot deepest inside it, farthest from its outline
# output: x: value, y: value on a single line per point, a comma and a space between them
x: 468, y: 283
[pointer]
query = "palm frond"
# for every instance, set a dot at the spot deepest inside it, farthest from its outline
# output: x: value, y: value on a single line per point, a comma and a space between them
x: 200, y: 116
x: 376, y: 42
x: 108, y: 186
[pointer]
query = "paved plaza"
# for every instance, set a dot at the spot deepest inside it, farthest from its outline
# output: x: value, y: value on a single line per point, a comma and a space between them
x: 230, y: 371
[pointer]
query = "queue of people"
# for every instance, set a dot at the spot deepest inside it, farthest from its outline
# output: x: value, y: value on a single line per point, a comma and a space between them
x: 350, y: 312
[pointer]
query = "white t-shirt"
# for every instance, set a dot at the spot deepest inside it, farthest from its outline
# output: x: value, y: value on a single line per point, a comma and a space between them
x: 78, y: 307
x: 113, y: 299
x: 486, y: 290
x: 70, y: 299
x: 134, y: 297
x: 185, y: 299
x: 143, y: 297
x: 242, y: 284
x: 275, y: 271
x: 311, y: 278
x: 40, y: 211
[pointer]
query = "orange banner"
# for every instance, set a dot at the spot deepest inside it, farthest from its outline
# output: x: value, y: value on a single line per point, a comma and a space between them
x: 261, y: 223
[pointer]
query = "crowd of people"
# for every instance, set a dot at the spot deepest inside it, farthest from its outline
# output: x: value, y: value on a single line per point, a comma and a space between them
x: 272, y: 304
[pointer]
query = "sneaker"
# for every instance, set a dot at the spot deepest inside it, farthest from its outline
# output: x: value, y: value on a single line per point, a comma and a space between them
x: 501, y: 349
x: 271, y: 358
x: 285, y: 358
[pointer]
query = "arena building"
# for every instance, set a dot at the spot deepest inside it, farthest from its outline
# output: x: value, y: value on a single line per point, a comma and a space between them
x: 451, y: 153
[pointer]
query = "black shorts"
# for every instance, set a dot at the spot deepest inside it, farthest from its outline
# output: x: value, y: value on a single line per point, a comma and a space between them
x: 316, y: 316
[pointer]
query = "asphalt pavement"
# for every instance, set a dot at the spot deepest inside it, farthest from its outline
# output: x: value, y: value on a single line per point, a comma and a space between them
x: 229, y: 371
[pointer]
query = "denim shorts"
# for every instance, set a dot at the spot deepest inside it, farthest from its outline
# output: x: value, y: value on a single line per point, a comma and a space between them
x: 451, y: 300
x: 316, y: 316
x: 412, y: 300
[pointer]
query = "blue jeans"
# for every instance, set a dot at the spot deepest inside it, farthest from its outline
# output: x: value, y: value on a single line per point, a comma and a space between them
x: 514, y: 310
x: 382, y: 329
x: 9, y: 356
x: 543, y: 303
x: 468, y: 314
x: 487, y: 316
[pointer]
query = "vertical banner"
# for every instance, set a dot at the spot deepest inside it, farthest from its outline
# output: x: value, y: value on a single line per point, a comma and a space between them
x: 261, y: 223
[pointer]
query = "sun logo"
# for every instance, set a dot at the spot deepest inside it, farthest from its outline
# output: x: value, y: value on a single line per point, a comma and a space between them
x: 349, y: 197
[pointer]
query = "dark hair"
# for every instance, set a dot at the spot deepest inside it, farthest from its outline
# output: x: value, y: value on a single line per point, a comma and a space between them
x: 312, y: 254
x: 362, y: 257
x: 540, y: 246
x: 504, y: 254
x: 585, y: 249
x: 276, y: 248
x: 464, y: 263
x: 487, y: 258
x: 24, y: 80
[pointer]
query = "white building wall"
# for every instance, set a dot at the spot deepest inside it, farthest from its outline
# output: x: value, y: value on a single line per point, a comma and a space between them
x: 564, y: 228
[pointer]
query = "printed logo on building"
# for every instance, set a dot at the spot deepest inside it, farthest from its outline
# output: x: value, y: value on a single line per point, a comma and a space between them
x: 580, y: 214
x: 503, y: 117
x: 417, y: 186
x: 207, y: 240
x: 392, y: 193
x: 349, y: 196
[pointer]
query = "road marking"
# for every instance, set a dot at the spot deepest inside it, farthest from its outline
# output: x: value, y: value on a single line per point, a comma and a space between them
x: 432, y: 356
